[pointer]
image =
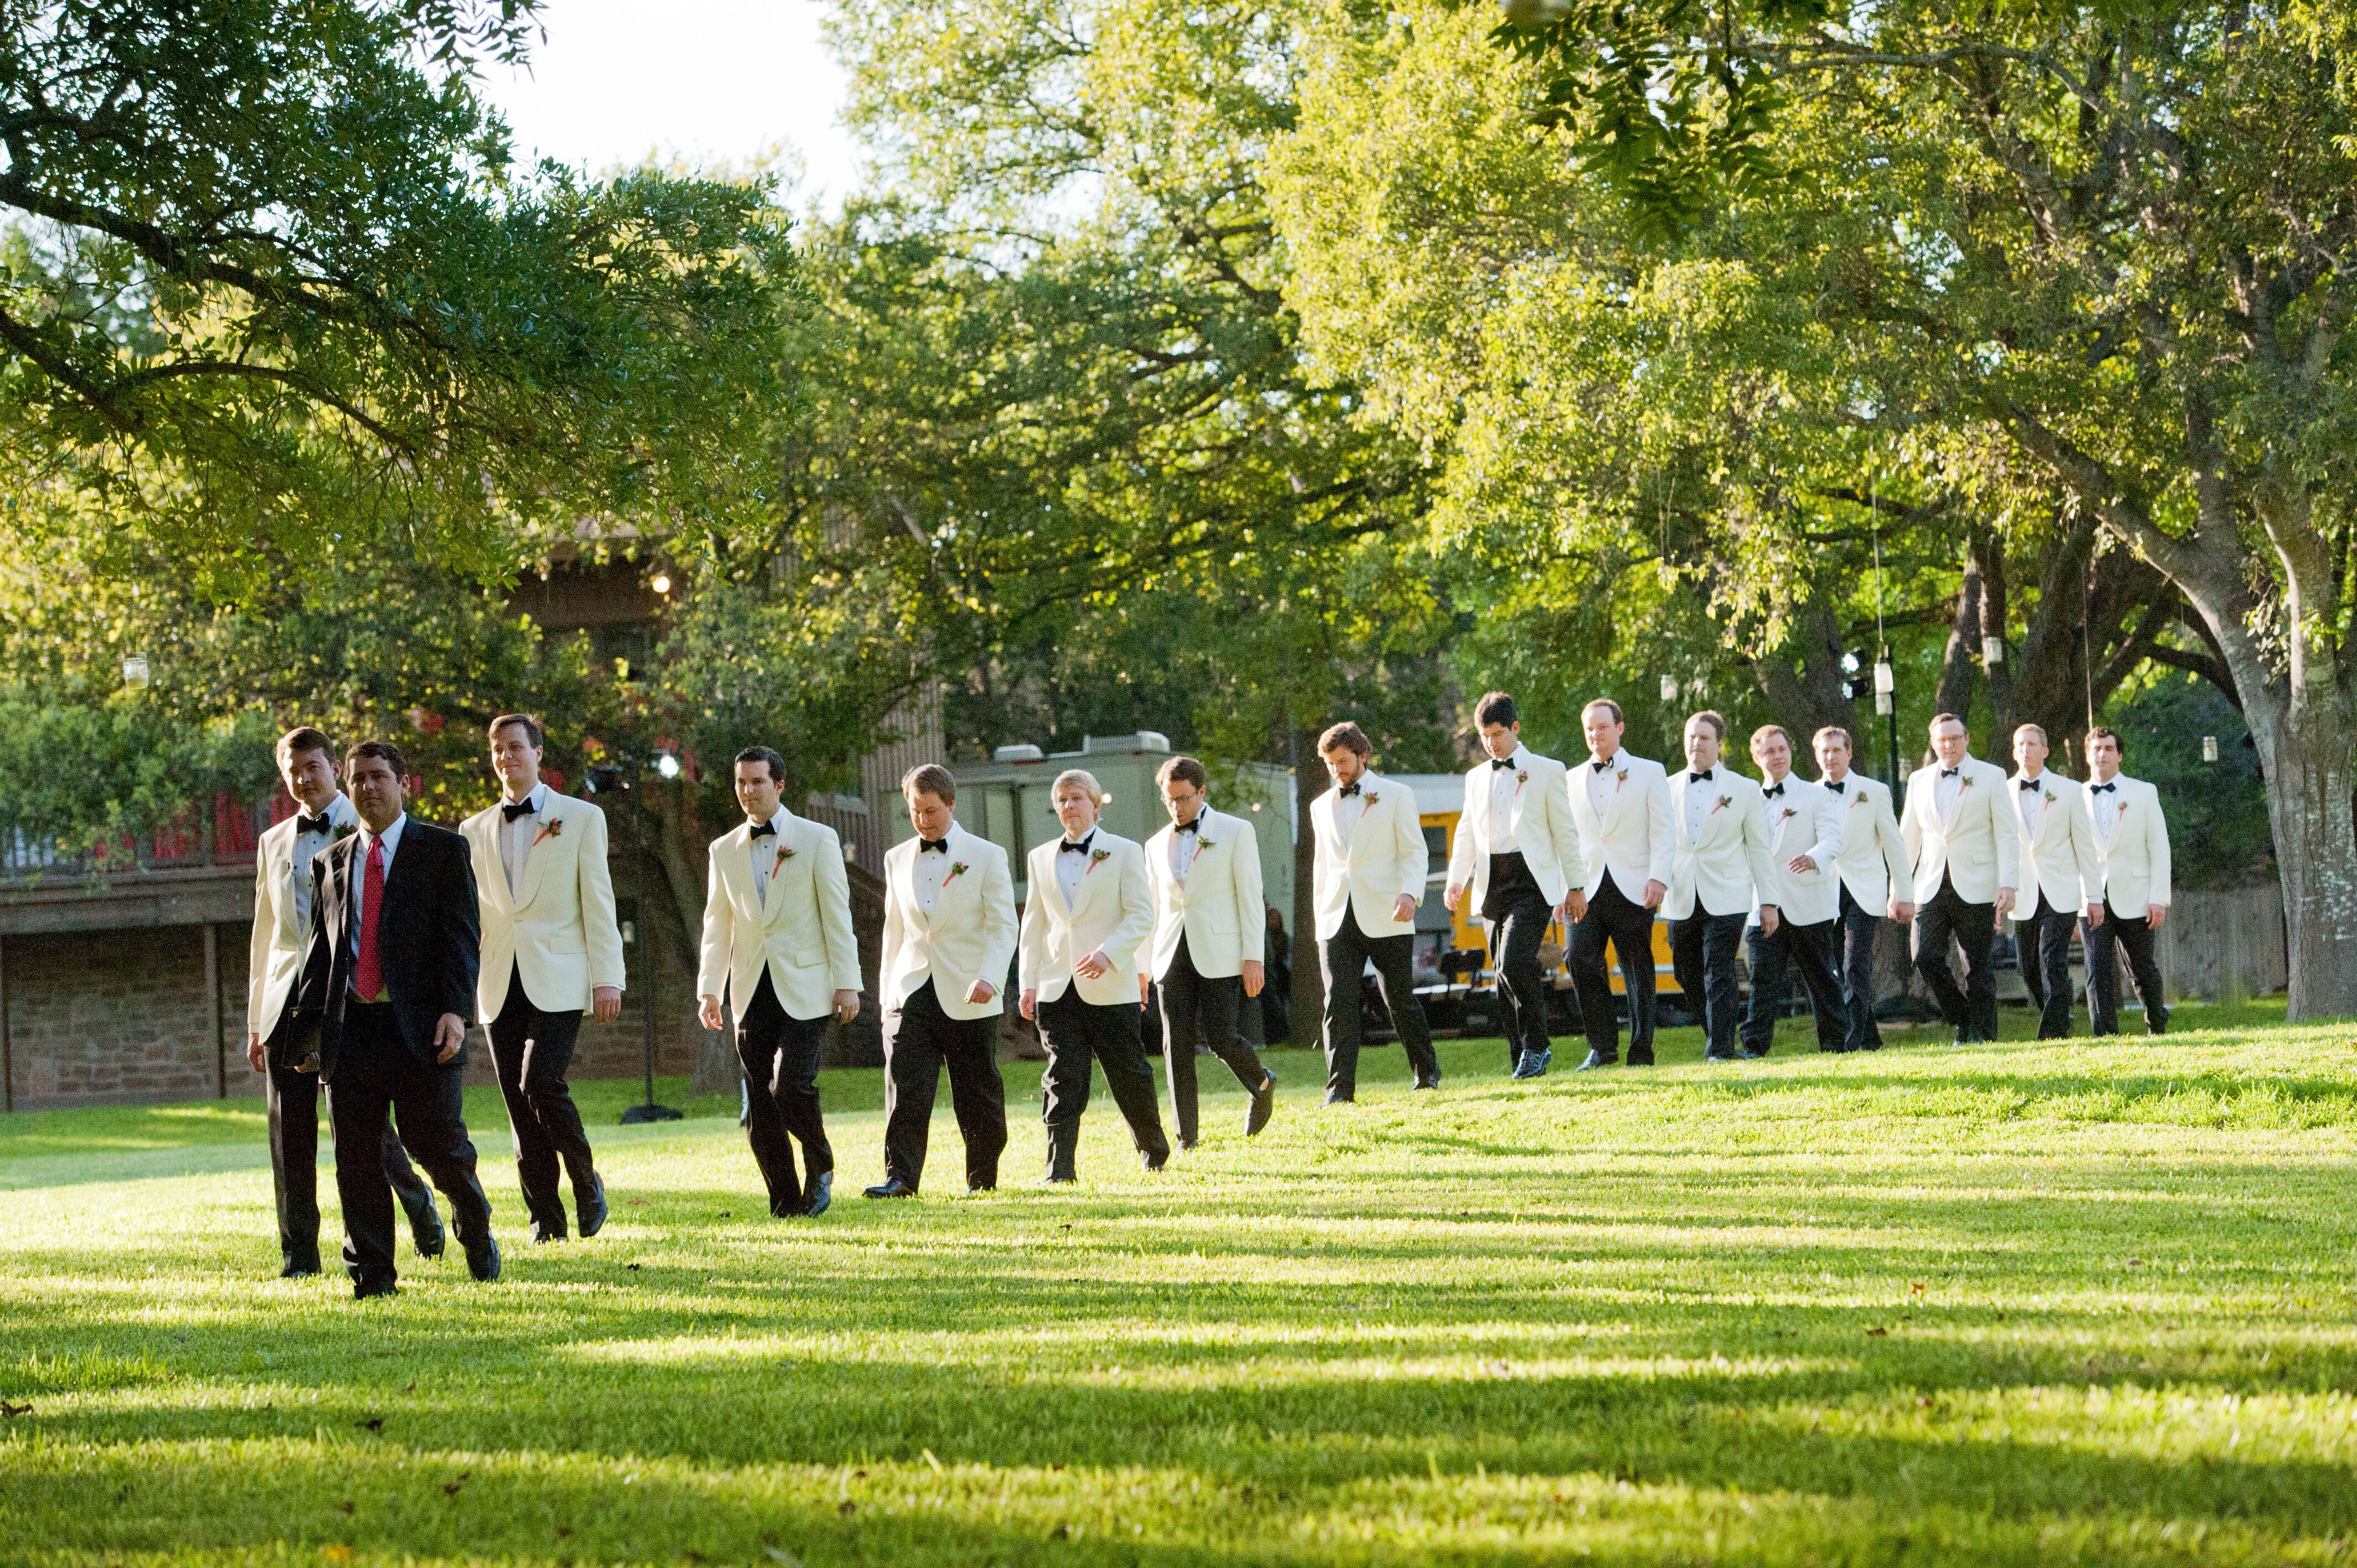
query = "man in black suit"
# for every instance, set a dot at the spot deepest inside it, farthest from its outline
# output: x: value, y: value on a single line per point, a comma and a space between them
x: 388, y: 979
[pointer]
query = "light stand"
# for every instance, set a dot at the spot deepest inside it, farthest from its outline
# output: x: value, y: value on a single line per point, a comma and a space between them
x: 607, y: 778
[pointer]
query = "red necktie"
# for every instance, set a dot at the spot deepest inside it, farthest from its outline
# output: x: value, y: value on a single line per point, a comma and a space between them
x: 367, y: 973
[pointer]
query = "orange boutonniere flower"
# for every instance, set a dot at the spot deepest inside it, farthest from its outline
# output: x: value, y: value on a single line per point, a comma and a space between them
x: 1724, y: 802
x: 1098, y: 858
x: 957, y: 869
x: 553, y: 828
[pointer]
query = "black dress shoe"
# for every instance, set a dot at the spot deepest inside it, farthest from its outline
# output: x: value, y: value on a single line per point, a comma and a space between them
x: 895, y: 1187
x: 1595, y: 1060
x: 1431, y: 1082
x: 299, y: 1271
x: 1060, y: 1181
x: 822, y: 1194
x: 1716, y: 1055
x: 368, y: 1290
x: 1871, y: 1046
x: 1961, y: 1038
x: 976, y: 1189
x: 1640, y: 1056
x: 1340, y: 1097
x: 1754, y: 1053
x: 541, y: 1233
x: 1264, y: 1103
x: 429, y: 1237
x: 483, y: 1262
x: 1154, y: 1159
x: 1187, y: 1143
x: 593, y: 1208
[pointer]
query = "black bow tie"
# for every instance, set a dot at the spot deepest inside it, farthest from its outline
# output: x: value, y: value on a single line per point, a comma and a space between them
x: 1500, y: 764
x: 1600, y: 767
x: 1835, y: 784
x: 1772, y: 794
x: 524, y: 808
x: 317, y: 824
x: 765, y: 830
x: 1346, y: 791
x: 2030, y: 784
x: 1703, y: 776
x: 1950, y: 772
x: 2106, y: 788
x: 928, y: 846
x: 1069, y: 847
x: 1191, y: 827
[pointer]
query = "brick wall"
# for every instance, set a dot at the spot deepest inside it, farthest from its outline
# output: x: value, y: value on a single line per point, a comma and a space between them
x: 113, y: 1017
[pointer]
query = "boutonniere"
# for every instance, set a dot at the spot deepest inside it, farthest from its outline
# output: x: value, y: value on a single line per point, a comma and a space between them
x: 553, y: 828
x: 1373, y: 798
x: 341, y: 832
x: 1787, y: 814
x: 1620, y: 779
x: 1097, y: 858
x: 1202, y: 844
x: 785, y: 853
x: 1724, y: 802
x: 1521, y: 777
x: 1963, y: 782
x: 957, y: 869
x: 1859, y: 801
x: 2123, y: 808
x: 2050, y: 796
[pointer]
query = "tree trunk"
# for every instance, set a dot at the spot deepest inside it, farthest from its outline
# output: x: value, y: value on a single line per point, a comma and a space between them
x: 1808, y: 693
x: 1961, y: 663
x: 680, y: 859
x: 1309, y: 980
x: 2311, y: 777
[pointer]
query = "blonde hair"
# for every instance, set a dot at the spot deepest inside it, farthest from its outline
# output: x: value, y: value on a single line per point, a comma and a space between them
x: 1081, y: 777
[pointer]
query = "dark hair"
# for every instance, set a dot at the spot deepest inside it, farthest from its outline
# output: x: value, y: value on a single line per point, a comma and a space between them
x: 1345, y: 736
x: 766, y: 758
x: 930, y: 778
x: 1848, y: 744
x: 2106, y: 731
x: 1185, y: 770
x: 1713, y: 718
x: 303, y: 739
x: 383, y: 749
x: 1495, y: 708
x: 1939, y: 719
x: 1608, y: 705
x: 532, y: 730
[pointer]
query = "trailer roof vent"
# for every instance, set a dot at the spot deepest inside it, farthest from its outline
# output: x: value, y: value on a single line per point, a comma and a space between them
x: 1027, y: 752
x: 1144, y: 740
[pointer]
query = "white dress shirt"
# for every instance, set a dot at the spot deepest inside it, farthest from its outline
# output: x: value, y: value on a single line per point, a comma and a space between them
x: 2105, y: 820
x: 307, y: 849
x: 1698, y: 805
x: 2030, y: 803
x: 516, y: 837
x: 360, y: 864
x: 1600, y: 783
x: 1350, y: 808
x: 1502, y: 804
x: 931, y: 870
x: 1071, y: 865
x: 1951, y: 784
x: 764, y: 855
x: 1183, y: 845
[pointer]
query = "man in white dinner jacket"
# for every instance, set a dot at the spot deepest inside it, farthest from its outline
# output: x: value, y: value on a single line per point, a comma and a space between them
x: 2060, y: 870
x: 2132, y: 874
x: 1875, y: 881
x: 1209, y: 927
x: 552, y: 949
x: 1087, y: 910
x: 1620, y: 812
x: 1966, y: 854
x: 1516, y: 853
x: 1716, y: 876
x: 949, y: 944
x: 276, y: 1045
x: 1372, y: 866
x: 778, y: 936
x: 1804, y: 838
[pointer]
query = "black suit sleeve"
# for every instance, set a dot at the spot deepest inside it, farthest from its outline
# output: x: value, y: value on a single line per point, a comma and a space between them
x: 462, y: 928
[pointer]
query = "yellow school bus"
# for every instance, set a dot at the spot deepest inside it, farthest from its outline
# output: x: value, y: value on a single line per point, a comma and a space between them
x: 1452, y: 954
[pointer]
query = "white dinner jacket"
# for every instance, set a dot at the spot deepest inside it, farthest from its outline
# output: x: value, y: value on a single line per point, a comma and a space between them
x: 1546, y: 832
x: 801, y: 933
x: 1873, y: 858
x: 2133, y: 874
x: 1636, y: 839
x: 968, y: 935
x: 2059, y: 861
x: 1976, y: 843
x: 274, y: 956
x: 1805, y: 820
x: 557, y: 930
x: 1383, y: 857
x: 1720, y: 866
x: 1112, y: 912
x: 1218, y: 906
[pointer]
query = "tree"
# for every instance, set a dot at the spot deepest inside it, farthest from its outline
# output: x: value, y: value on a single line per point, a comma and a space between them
x: 2119, y: 243
x: 273, y: 279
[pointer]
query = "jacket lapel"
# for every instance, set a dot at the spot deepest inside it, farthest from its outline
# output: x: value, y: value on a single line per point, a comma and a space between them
x: 486, y: 829
x: 773, y: 908
x: 536, y: 852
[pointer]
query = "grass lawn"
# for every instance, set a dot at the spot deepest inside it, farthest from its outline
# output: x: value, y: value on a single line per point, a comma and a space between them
x: 2001, y: 1305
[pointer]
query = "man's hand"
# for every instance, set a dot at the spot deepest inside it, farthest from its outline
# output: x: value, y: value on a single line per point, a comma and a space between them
x: 606, y: 1003
x: 1093, y: 967
x: 1574, y: 907
x: 1451, y: 895
x: 980, y: 991
x: 2094, y: 913
x: 449, y: 1034
x: 846, y: 1006
x: 1769, y: 919
x: 1254, y: 977
x: 2153, y: 913
x: 1142, y: 983
x: 1801, y: 866
x: 1654, y: 893
x: 2004, y: 902
x: 1901, y: 910
x: 1029, y: 1003
x: 707, y: 1011
x: 1404, y: 907
x: 254, y: 1052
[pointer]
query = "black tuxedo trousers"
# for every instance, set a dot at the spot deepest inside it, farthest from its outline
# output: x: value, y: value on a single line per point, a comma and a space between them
x: 377, y: 1078
x: 1078, y: 1032
x: 533, y: 1051
x: 780, y: 1054
x: 922, y: 1040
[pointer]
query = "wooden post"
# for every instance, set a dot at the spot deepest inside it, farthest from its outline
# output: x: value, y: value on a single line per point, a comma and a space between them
x: 214, y: 999
x: 7, y: 1053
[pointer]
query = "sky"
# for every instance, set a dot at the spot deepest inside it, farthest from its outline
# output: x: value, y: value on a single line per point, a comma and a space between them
x: 704, y: 80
